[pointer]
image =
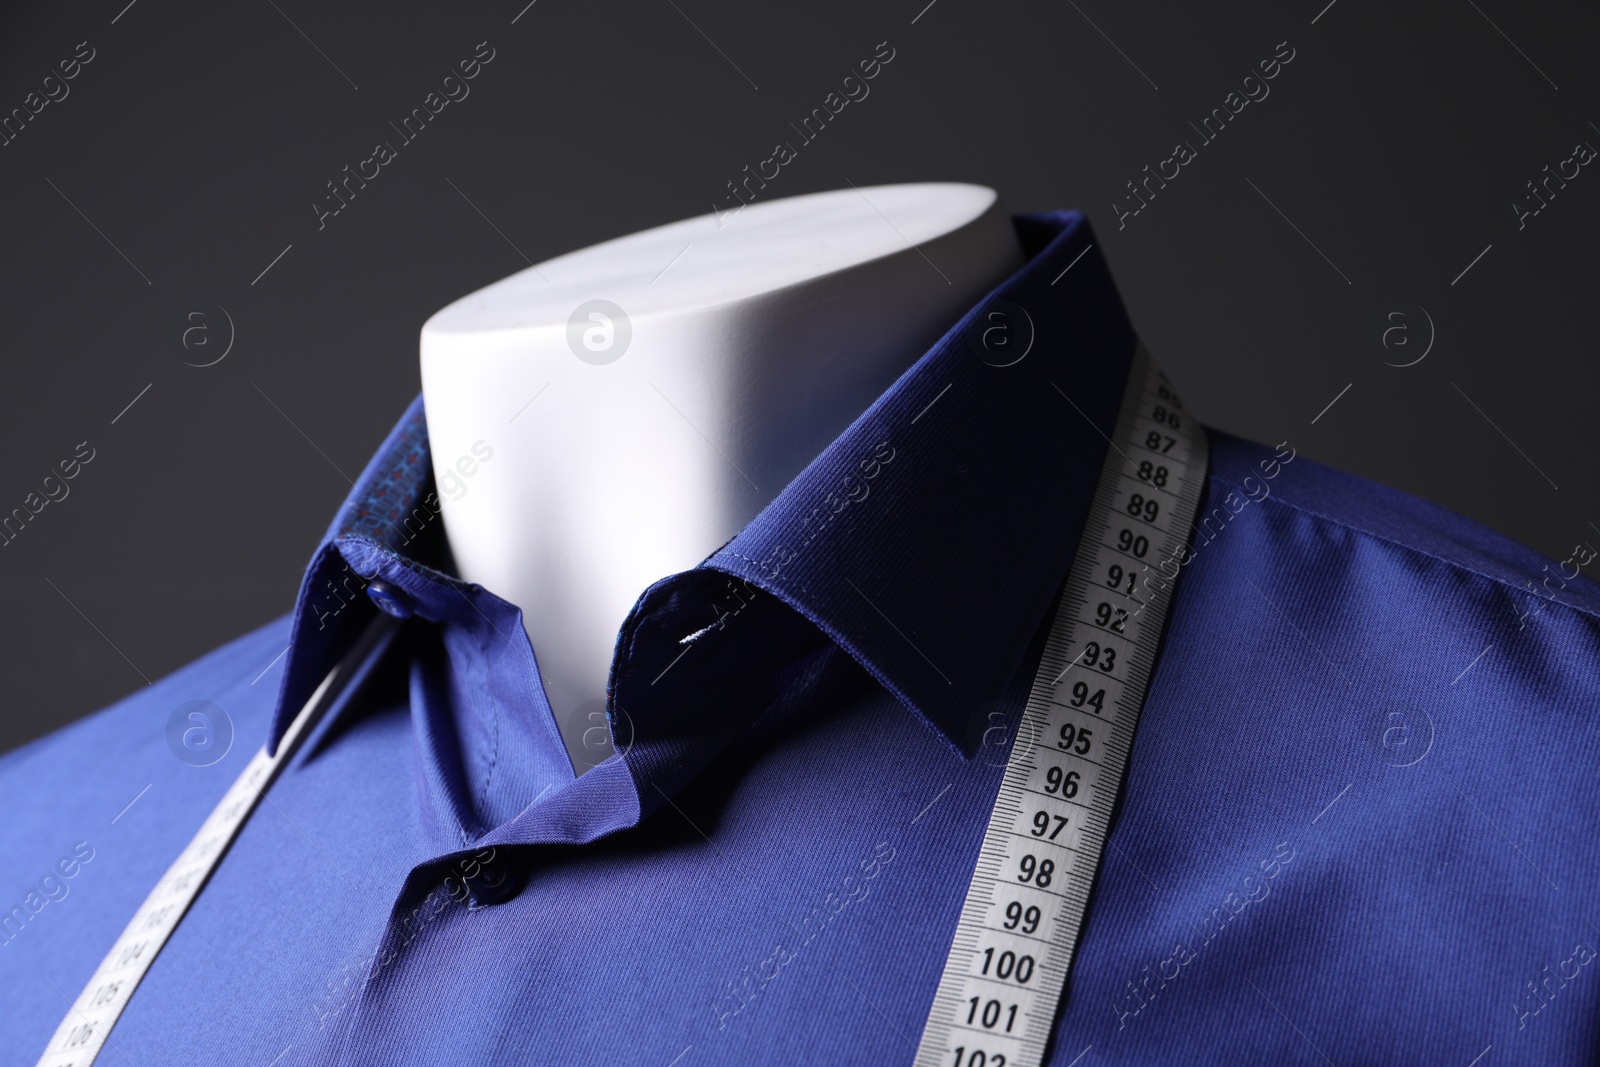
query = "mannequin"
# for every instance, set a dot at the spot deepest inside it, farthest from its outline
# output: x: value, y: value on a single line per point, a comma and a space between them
x: 613, y: 415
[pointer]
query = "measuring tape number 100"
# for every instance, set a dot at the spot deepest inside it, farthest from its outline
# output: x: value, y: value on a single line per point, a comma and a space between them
x: 1013, y: 946
x: 1008, y: 963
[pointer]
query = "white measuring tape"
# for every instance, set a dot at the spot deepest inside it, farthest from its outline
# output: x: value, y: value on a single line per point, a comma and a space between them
x: 83, y: 1033
x: 997, y: 999
x: 996, y: 1002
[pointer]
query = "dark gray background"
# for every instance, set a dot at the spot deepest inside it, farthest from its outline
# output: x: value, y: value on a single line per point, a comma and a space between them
x: 194, y: 144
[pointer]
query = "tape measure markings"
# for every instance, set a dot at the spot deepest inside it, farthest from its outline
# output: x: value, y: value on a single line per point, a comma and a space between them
x: 1019, y: 924
x: 85, y: 1031
x: 993, y: 925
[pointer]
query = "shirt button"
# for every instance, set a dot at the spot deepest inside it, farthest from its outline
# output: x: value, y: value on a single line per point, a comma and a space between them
x: 491, y: 883
x: 390, y: 601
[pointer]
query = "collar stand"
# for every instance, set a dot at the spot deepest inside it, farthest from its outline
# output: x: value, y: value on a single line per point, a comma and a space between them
x: 928, y: 541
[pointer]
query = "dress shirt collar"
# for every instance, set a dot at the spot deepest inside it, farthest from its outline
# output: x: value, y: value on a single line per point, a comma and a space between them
x: 928, y: 541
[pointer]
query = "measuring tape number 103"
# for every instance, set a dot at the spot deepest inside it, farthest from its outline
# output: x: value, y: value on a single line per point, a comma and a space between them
x: 1013, y: 946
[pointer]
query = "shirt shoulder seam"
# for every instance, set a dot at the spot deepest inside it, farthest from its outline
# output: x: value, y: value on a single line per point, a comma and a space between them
x: 1454, y: 564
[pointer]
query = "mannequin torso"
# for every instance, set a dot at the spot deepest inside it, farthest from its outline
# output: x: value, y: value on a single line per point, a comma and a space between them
x: 613, y: 415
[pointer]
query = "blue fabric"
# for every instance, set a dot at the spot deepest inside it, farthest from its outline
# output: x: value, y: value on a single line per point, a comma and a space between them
x: 1356, y: 827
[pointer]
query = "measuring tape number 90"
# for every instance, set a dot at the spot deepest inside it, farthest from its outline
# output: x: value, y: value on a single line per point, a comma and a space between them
x: 997, y: 999
x: 1013, y: 947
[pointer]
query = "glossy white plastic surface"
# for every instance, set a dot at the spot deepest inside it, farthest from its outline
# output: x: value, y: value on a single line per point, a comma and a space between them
x: 613, y: 415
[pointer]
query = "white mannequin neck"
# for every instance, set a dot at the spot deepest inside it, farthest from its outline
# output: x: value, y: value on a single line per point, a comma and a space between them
x: 580, y: 458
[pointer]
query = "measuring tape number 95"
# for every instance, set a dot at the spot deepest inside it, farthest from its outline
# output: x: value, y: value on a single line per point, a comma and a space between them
x: 1013, y: 946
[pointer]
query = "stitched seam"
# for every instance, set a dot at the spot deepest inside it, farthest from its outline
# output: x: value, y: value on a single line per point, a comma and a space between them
x: 1453, y: 564
x: 762, y: 567
x: 494, y: 756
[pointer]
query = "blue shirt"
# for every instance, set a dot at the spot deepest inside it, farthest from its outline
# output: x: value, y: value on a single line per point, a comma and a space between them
x: 1355, y: 827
